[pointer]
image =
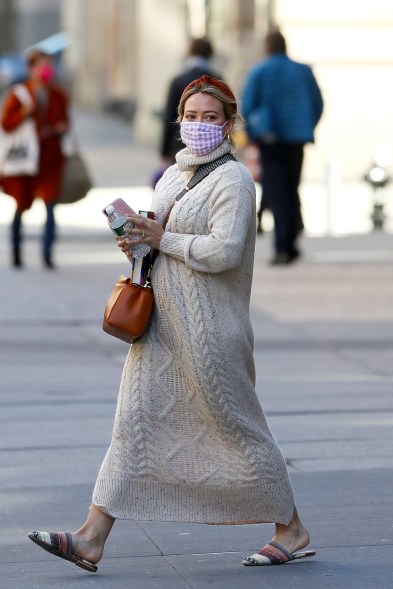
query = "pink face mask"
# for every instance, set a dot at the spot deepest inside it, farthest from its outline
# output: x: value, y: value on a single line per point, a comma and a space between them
x: 46, y: 72
x: 201, y: 138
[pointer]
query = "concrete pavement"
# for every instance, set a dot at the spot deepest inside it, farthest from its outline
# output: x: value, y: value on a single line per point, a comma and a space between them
x: 324, y: 357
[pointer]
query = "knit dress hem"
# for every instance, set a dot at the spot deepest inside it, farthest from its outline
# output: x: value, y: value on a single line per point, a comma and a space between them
x: 150, y: 500
x: 190, y: 441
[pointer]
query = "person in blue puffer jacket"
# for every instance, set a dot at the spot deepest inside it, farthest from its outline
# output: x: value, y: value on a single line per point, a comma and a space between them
x: 282, y: 104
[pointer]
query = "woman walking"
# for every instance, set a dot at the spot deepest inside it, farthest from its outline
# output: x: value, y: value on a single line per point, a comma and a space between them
x: 47, y: 106
x: 190, y: 441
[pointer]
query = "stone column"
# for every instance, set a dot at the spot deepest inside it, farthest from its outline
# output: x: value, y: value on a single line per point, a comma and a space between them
x: 237, y: 29
x: 160, y: 48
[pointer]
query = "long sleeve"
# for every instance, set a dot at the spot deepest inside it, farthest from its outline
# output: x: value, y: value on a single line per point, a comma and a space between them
x: 13, y: 113
x: 249, y: 98
x: 317, y: 100
x: 62, y: 100
x: 222, y: 247
x: 255, y: 108
x: 58, y: 111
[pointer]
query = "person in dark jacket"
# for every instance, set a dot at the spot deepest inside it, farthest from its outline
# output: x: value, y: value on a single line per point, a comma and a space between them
x: 197, y: 64
x: 282, y: 104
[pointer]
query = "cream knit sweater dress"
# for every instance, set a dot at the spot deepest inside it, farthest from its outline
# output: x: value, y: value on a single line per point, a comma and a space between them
x: 190, y: 441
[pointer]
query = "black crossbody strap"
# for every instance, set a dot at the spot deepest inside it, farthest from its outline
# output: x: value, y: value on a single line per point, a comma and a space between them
x: 203, y: 171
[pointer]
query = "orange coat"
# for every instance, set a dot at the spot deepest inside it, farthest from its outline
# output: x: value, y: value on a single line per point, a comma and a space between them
x: 47, y: 182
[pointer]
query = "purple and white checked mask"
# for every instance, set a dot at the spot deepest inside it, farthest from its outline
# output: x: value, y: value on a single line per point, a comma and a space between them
x: 201, y: 138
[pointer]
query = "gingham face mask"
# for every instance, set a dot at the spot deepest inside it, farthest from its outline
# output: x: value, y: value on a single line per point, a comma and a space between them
x: 201, y: 138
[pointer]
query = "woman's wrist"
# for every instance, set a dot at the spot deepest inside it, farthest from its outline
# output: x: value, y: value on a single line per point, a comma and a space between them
x: 144, y: 232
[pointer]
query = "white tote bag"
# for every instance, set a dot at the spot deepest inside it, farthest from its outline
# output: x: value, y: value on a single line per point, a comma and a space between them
x: 20, y: 148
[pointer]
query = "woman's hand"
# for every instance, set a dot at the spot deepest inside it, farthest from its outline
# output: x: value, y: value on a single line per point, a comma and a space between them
x: 125, y: 247
x: 147, y: 231
x: 60, y: 128
x: 28, y: 109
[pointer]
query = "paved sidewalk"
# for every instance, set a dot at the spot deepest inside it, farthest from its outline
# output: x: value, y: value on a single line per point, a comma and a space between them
x: 324, y: 357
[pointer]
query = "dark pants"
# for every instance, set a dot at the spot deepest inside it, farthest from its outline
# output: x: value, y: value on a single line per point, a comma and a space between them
x: 49, y: 233
x: 281, y: 172
x: 48, y: 236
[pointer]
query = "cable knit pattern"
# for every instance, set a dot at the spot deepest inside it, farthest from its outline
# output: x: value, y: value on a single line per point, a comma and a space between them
x: 190, y: 440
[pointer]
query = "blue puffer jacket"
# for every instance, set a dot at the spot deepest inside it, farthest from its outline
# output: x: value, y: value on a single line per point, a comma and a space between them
x: 281, y: 98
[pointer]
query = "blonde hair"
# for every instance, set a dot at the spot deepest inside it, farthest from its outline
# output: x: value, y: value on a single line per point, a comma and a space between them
x: 229, y: 104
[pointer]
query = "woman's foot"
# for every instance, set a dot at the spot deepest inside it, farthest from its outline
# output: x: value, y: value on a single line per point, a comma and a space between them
x: 88, y: 547
x: 284, y: 546
x: 48, y: 262
x: 83, y: 547
x: 17, y: 258
x: 89, y: 540
x: 61, y: 544
x: 292, y: 537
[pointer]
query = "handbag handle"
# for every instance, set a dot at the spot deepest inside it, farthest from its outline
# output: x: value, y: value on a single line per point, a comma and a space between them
x: 71, y: 141
x: 22, y: 94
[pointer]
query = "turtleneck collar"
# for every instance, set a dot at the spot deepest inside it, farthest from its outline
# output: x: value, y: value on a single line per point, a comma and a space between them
x: 188, y: 161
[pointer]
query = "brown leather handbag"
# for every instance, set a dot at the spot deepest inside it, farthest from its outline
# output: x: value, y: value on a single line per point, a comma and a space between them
x: 129, y: 310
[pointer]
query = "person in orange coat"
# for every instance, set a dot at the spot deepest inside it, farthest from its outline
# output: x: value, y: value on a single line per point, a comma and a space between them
x: 49, y: 110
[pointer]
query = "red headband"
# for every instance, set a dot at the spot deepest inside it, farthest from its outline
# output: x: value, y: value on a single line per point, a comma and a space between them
x: 218, y: 84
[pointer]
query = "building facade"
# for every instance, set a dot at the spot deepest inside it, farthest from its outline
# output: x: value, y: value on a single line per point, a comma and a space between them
x: 126, y: 52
